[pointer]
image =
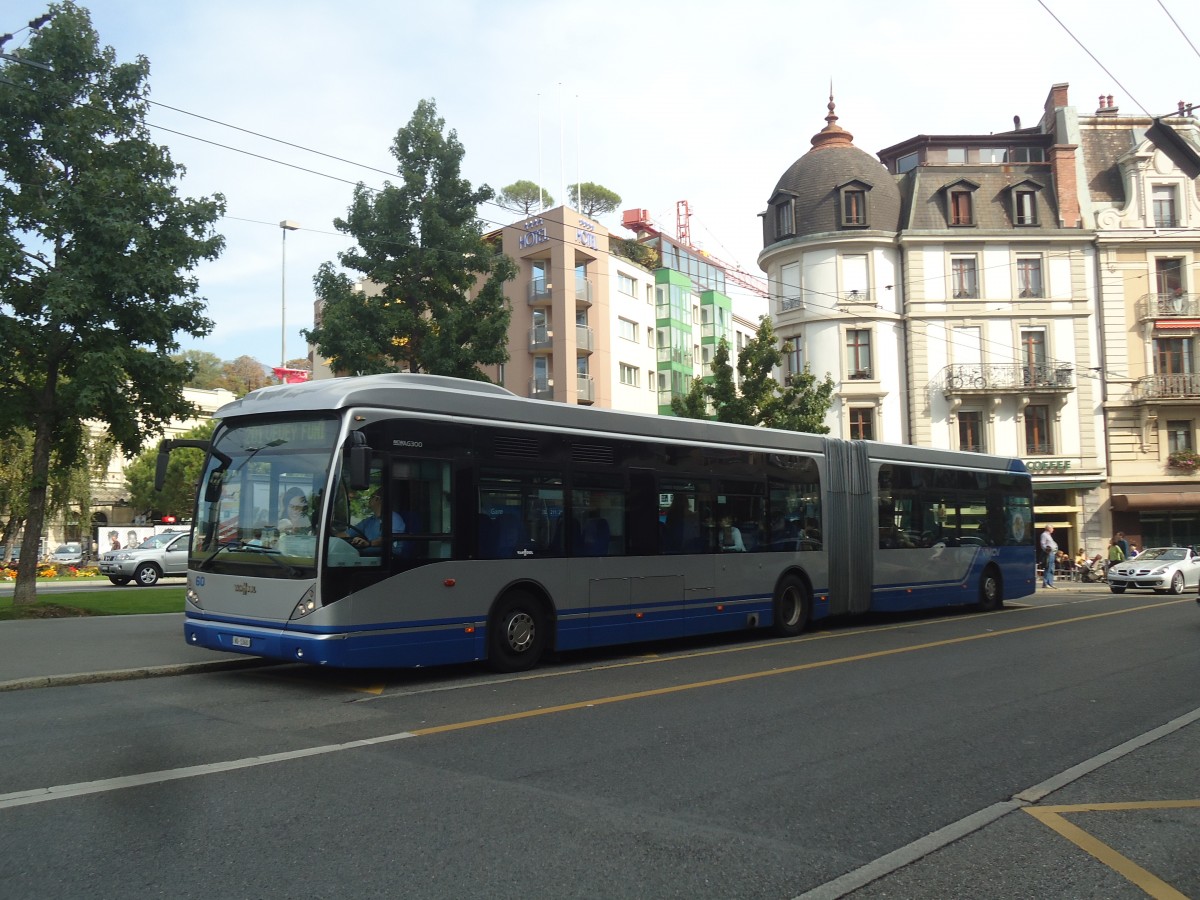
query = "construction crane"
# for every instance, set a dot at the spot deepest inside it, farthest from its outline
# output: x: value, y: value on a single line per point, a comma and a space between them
x: 639, y: 221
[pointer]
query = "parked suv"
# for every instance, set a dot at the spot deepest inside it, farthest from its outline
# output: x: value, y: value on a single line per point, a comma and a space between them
x: 162, y: 554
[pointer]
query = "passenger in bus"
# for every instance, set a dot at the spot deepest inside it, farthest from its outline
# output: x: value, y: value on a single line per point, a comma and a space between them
x: 730, y: 536
x: 294, y: 505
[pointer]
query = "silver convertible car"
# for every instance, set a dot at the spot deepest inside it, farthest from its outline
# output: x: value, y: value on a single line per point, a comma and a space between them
x: 1160, y: 569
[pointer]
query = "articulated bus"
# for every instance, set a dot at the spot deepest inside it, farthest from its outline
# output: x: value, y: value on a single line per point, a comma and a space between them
x: 410, y: 520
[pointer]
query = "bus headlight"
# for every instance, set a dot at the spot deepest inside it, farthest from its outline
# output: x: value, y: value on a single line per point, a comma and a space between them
x: 193, y: 597
x: 306, y: 605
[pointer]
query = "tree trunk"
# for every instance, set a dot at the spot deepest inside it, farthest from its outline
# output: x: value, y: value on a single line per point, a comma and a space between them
x: 25, y: 593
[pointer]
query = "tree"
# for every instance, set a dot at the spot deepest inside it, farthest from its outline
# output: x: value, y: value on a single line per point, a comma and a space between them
x: 178, y: 495
x: 96, y: 251
x: 524, y: 197
x: 593, y: 200
x: 421, y: 253
x: 801, y: 405
x: 243, y: 375
x: 206, y: 369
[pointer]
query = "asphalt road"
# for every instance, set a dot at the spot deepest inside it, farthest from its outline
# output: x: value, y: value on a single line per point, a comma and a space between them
x: 878, y: 758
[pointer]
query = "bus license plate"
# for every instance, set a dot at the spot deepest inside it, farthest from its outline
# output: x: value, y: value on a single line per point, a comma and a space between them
x: 239, y: 641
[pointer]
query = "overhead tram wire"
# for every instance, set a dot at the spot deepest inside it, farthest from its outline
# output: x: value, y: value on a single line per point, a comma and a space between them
x: 1178, y: 27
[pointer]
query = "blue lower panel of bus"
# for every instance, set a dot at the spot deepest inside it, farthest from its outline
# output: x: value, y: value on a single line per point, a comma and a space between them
x: 381, y: 648
x: 608, y: 626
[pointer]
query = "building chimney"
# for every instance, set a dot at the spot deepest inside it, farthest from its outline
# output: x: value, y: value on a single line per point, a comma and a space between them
x: 1066, y: 190
x: 1107, y: 107
x: 1017, y: 122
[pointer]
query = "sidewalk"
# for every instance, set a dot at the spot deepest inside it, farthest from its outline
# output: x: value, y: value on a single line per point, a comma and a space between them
x: 48, y: 652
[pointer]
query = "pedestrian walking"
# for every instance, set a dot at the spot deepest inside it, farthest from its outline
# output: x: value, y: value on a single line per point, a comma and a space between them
x: 1049, y: 549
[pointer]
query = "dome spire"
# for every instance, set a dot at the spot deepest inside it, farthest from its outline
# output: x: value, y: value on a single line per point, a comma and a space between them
x: 832, y: 135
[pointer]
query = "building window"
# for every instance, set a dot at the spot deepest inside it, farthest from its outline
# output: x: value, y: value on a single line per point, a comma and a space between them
x: 970, y: 431
x: 960, y: 208
x: 794, y: 357
x: 856, y: 279
x: 783, y: 219
x: 854, y: 207
x: 858, y: 353
x: 789, y: 287
x: 1037, y: 431
x: 1033, y: 356
x: 964, y: 277
x: 1025, y: 207
x: 1179, y: 436
x: 862, y: 423
x: 992, y: 154
x: 1029, y: 276
x: 956, y: 156
x: 627, y: 330
x: 626, y: 285
x: 1173, y: 356
x: 1164, y: 206
x: 1027, y: 154
x: 629, y: 375
x: 907, y: 163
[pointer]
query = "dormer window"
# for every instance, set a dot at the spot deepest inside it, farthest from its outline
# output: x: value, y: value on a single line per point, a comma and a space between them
x: 1163, y: 201
x: 1024, y: 208
x: 852, y: 202
x: 960, y: 208
x: 784, y: 221
x: 1023, y: 200
x: 960, y: 203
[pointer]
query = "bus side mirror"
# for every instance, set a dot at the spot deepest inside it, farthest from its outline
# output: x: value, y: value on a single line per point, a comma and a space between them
x: 358, y: 462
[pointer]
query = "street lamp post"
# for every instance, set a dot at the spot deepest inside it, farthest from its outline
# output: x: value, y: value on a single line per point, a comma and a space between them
x: 285, y: 226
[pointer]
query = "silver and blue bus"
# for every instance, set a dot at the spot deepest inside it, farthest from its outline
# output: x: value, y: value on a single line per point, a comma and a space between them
x: 411, y: 520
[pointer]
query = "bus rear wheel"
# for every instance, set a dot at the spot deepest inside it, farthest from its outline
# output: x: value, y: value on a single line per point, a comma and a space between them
x: 517, y: 633
x: 991, y: 593
x: 792, y: 606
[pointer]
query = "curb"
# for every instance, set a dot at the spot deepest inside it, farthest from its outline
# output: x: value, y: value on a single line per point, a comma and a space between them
x: 218, y: 665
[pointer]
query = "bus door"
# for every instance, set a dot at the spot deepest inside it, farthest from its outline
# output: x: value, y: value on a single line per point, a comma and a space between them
x: 685, y: 591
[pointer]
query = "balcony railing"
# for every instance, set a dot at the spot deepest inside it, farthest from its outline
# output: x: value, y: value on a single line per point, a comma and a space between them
x: 1168, y: 387
x: 1167, y: 306
x: 863, y: 296
x: 675, y: 355
x: 541, y: 388
x: 789, y: 303
x: 586, y: 388
x: 583, y: 290
x: 540, y: 339
x: 539, y: 292
x: 1008, y: 377
x: 584, y: 342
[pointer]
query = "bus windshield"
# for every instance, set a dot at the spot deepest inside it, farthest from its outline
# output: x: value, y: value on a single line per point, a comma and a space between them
x: 260, y: 497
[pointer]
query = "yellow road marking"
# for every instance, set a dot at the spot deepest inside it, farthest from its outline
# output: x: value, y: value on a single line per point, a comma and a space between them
x: 1053, y: 817
x: 768, y: 673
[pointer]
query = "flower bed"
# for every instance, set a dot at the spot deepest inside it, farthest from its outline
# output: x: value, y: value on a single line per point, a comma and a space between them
x: 1184, y: 460
x: 50, y: 570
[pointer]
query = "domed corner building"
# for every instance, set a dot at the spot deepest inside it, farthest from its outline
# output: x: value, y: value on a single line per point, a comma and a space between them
x: 832, y: 258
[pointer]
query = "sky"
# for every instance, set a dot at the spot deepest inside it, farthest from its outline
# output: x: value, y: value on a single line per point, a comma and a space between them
x: 707, y: 102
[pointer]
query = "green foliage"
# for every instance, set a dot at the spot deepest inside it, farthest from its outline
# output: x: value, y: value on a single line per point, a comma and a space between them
x: 593, y: 200
x: 96, y: 253
x: 420, y: 252
x: 178, y: 495
x: 205, y: 370
x: 799, y: 406
x: 645, y: 256
x: 525, y: 197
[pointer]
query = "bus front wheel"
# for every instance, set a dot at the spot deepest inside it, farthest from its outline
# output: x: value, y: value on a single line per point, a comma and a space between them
x: 517, y: 633
x: 991, y: 593
x: 792, y: 604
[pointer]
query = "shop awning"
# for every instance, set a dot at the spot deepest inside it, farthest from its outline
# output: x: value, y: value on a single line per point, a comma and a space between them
x: 1156, y: 500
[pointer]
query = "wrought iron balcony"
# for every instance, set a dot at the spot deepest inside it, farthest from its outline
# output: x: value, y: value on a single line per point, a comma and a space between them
x: 863, y: 296
x: 1005, y: 377
x: 1167, y: 387
x: 1167, y: 306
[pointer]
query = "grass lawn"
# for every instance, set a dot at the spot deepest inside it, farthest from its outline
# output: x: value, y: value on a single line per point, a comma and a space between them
x: 113, y: 601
